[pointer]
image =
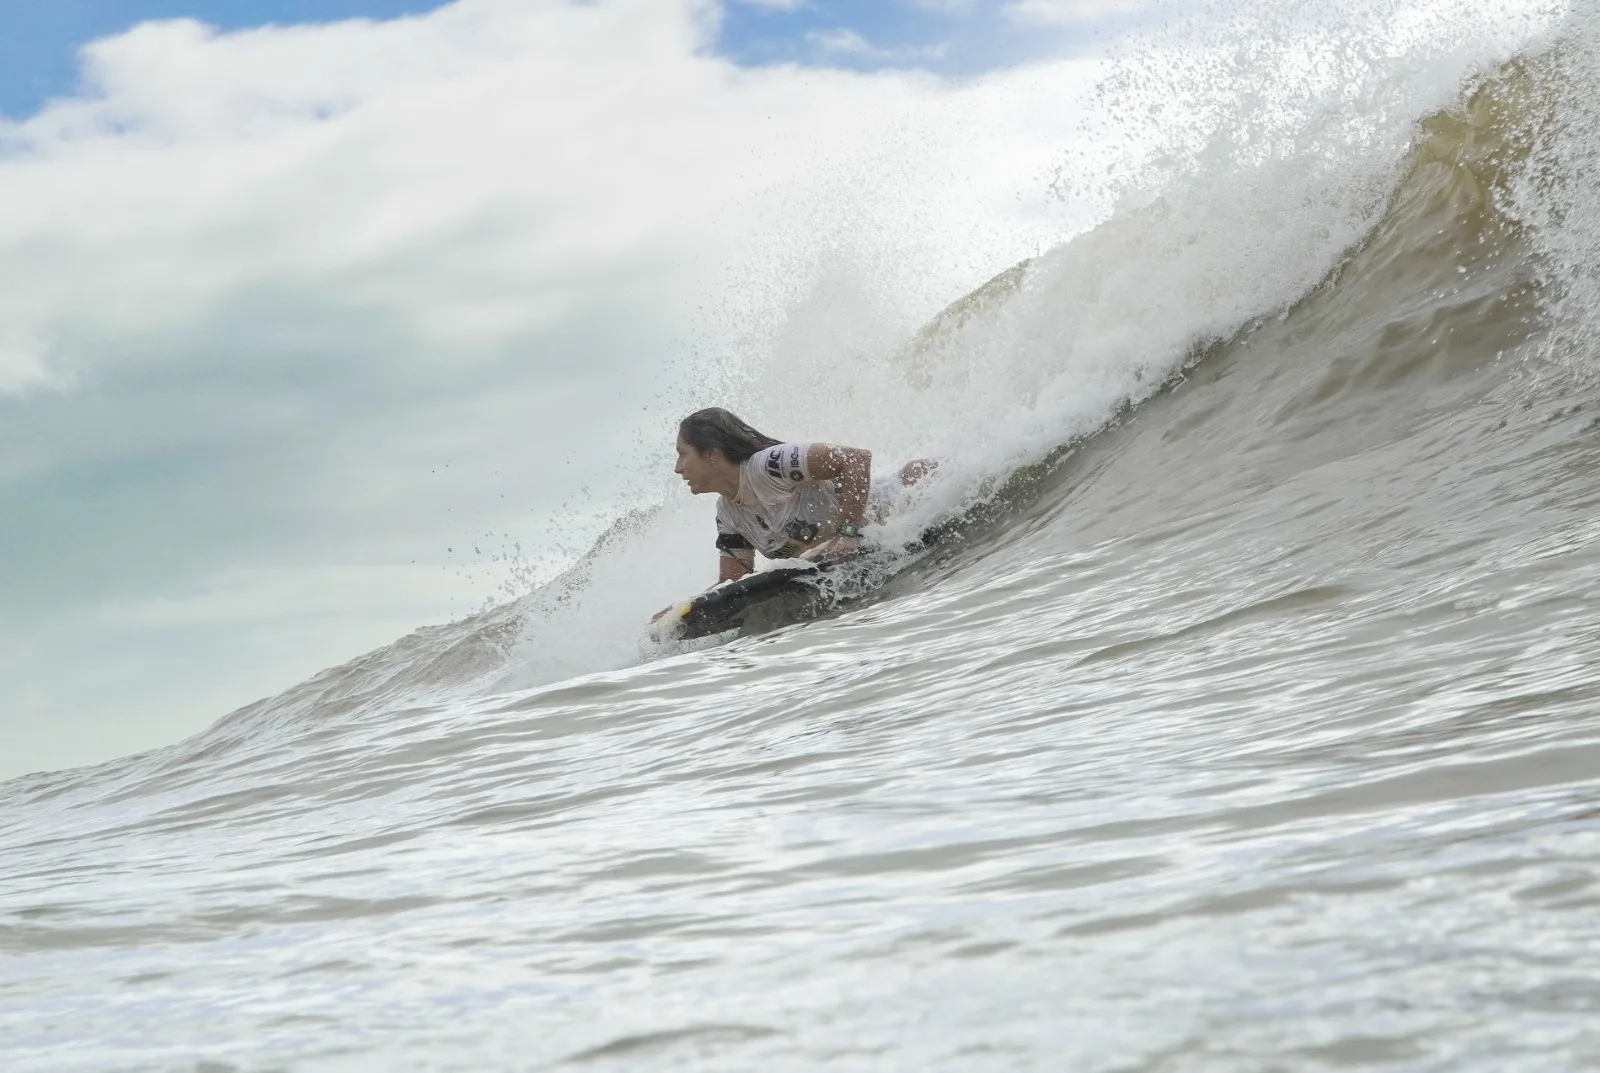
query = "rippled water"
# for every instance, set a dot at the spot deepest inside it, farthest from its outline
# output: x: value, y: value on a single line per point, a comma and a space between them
x: 1260, y: 735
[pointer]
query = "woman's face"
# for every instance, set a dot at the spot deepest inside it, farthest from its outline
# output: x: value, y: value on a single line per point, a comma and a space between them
x: 693, y: 466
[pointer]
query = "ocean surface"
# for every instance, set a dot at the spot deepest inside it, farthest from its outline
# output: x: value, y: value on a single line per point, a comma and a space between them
x: 1254, y: 723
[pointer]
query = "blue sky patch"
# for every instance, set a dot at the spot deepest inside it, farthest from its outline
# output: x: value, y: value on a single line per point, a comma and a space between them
x: 956, y: 38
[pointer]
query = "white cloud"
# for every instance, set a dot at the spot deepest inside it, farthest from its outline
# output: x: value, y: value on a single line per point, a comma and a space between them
x: 212, y: 165
x: 235, y: 597
x: 301, y: 305
x: 945, y: 7
x: 845, y: 41
x: 21, y: 367
x: 1070, y: 12
x: 468, y: 179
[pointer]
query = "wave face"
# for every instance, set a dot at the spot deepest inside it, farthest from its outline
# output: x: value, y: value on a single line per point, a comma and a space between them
x: 1253, y: 728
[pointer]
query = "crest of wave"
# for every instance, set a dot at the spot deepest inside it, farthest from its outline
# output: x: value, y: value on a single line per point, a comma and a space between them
x: 1555, y: 193
x: 1261, y: 144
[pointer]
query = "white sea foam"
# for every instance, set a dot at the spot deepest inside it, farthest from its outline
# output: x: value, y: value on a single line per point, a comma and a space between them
x: 1229, y: 172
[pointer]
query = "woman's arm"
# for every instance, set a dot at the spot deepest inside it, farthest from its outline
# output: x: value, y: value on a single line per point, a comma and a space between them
x: 850, y: 470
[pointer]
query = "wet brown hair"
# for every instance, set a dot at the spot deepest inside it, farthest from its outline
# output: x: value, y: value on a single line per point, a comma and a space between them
x: 716, y: 427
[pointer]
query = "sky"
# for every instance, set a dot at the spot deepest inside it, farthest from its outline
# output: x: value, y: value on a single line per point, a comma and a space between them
x: 321, y: 321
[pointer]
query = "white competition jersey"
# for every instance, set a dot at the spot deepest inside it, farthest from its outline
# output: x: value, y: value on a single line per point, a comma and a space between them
x: 780, y: 510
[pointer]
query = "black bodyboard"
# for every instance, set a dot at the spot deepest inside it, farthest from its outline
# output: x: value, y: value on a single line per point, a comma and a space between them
x: 784, y: 595
x: 754, y: 603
